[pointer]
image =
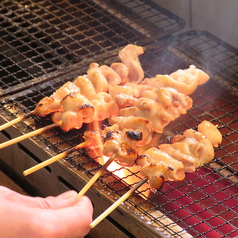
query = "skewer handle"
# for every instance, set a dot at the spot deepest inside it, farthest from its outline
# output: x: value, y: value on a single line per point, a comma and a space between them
x: 117, y: 203
x: 95, y: 177
x: 44, y: 164
x: 15, y: 121
x: 30, y: 134
x: 54, y: 159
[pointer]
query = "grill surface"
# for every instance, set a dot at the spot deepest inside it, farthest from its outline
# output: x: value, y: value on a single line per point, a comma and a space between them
x: 205, y: 204
x: 40, y: 36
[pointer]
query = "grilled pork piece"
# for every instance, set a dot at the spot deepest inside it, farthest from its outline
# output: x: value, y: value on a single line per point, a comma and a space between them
x: 116, y: 143
x: 122, y: 70
x: 186, y: 153
x: 86, y: 87
x: 165, y: 162
x: 118, y: 91
x: 53, y: 103
x: 129, y: 56
x: 76, y: 110
x: 160, y: 107
x: 138, y: 129
x: 185, y: 81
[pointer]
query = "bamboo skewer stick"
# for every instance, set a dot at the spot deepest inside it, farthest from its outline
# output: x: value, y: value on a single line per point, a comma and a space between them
x: 95, y: 177
x: 55, y: 158
x: 15, y: 121
x: 30, y: 134
x: 117, y: 203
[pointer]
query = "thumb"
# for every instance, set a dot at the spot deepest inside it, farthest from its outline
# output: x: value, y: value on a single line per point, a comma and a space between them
x: 66, y: 199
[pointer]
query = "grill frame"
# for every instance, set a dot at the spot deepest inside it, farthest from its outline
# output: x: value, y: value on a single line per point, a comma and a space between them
x: 218, y: 171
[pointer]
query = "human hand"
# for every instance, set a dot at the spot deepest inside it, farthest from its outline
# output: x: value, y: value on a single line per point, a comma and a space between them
x: 66, y: 215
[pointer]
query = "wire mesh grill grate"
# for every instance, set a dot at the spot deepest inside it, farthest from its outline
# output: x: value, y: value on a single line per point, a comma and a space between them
x: 205, y: 203
x: 41, y: 36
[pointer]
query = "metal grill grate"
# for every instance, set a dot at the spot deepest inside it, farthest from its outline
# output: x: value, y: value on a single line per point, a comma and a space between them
x: 205, y: 203
x: 40, y: 36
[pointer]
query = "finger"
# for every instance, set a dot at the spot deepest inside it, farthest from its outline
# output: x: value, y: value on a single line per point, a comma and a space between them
x: 81, y: 212
x: 70, y: 222
x: 4, y: 191
x: 66, y: 199
x: 63, y: 200
x: 11, y: 196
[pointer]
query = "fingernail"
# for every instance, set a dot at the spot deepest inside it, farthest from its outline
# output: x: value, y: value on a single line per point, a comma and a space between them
x: 68, y: 194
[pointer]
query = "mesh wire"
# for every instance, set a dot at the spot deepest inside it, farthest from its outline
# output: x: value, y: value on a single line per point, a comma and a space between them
x: 41, y: 36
